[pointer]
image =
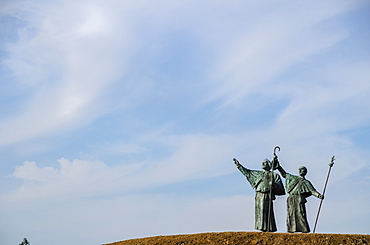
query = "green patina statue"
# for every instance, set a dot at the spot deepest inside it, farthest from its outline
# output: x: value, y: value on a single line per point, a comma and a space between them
x: 299, y: 188
x: 267, y: 185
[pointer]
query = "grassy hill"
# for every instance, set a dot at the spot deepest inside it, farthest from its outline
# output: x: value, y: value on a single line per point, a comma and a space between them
x: 245, y: 238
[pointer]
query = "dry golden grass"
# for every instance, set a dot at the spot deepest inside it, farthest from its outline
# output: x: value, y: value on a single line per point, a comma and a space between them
x: 244, y: 238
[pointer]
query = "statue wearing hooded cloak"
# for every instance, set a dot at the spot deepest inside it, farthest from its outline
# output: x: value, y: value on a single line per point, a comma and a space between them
x: 299, y: 188
x: 262, y: 181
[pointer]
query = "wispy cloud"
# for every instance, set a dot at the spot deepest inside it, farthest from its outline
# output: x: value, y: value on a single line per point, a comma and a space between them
x: 142, y: 97
x: 194, y: 157
x: 65, y: 65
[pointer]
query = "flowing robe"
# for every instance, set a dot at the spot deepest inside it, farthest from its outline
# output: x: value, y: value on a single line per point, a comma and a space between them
x: 261, y: 182
x: 299, y: 189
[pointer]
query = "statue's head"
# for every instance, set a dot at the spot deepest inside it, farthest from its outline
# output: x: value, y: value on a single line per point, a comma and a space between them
x: 266, y: 164
x: 302, y: 171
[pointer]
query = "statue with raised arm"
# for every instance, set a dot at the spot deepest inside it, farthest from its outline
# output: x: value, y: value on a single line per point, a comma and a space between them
x: 299, y: 188
x: 263, y: 181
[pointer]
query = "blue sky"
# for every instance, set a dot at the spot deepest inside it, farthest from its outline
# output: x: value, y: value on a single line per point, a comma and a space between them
x: 120, y: 119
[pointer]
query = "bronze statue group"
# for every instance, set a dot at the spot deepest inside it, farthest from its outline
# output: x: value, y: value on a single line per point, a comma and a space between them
x: 268, y: 184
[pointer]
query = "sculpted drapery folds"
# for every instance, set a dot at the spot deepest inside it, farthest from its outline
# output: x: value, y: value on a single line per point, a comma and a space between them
x: 299, y: 188
x: 262, y: 181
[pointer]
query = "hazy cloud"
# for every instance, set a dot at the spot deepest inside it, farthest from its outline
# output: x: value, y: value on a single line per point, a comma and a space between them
x: 145, y: 104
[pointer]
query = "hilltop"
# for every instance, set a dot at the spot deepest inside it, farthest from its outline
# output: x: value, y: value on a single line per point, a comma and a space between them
x: 246, y: 238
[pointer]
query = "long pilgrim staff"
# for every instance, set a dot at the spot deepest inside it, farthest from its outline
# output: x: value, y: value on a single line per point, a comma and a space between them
x: 323, y: 193
x: 271, y: 183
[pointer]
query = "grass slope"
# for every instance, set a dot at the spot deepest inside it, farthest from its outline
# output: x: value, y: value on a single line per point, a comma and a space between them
x: 244, y: 238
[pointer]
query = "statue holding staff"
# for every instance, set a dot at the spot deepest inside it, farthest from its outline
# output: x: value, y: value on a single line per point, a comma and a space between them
x: 299, y: 188
x: 264, y: 181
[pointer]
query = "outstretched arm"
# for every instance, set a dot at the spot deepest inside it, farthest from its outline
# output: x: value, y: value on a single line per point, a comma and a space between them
x: 280, y: 168
x: 241, y: 168
x: 236, y: 161
x: 276, y: 165
x: 282, y: 171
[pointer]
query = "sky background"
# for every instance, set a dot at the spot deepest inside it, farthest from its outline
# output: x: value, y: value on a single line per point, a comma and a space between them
x: 120, y: 119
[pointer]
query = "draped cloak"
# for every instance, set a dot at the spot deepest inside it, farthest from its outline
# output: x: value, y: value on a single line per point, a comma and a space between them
x: 261, y: 182
x: 299, y: 189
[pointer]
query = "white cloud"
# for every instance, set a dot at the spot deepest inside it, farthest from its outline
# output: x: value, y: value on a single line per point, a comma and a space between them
x: 73, y: 59
x: 30, y: 171
x: 194, y: 157
x: 67, y: 65
x: 70, y: 63
x: 273, y: 44
x: 106, y: 200
x: 71, y: 179
x: 334, y: 102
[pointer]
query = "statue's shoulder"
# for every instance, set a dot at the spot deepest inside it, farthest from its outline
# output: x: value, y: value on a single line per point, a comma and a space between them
x: 291, y: 176
x: 307, y: 182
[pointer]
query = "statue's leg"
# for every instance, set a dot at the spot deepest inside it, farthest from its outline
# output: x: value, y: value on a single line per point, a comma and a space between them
x: 263, y: 213
x: 258, y: 212
x: 272, y: 227
x: 291, y: 213
x: 305, y: 228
